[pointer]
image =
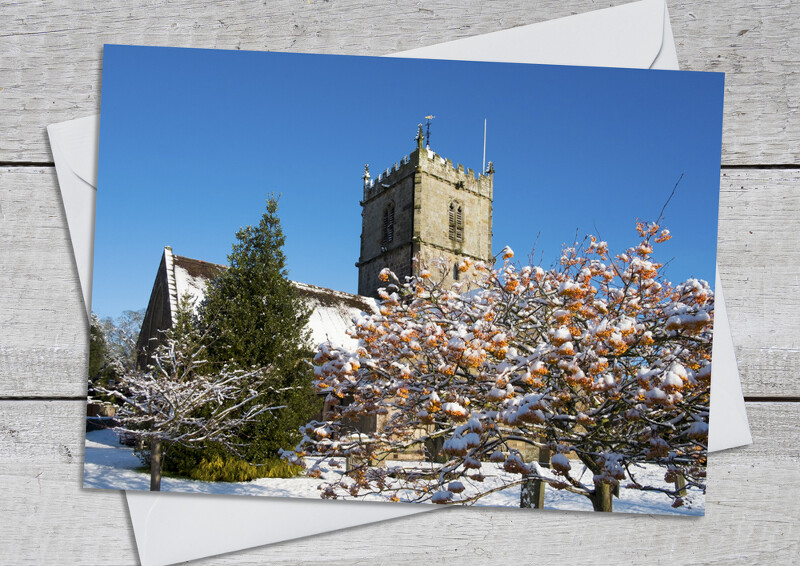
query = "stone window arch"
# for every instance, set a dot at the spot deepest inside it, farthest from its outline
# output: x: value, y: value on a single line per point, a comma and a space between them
x: 456, y: 221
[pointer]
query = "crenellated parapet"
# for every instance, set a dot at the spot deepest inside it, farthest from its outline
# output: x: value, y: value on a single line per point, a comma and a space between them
x: 388, y: 177
x: 465, y: 180
x: 432, y: 164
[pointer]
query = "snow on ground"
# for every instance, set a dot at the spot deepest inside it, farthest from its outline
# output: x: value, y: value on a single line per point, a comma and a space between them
x: 110, y: 465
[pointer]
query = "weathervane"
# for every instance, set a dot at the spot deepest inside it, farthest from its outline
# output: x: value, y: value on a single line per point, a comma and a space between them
x: 428, y: 131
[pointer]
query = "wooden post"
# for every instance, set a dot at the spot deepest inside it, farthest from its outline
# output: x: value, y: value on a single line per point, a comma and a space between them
x: 369, y: 458
x: 680, y: 484
x: 155, y: 465
x: 531, y: 493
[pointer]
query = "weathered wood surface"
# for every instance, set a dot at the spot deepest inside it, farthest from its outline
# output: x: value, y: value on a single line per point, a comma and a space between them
x: 50, y: 71
x: 43, y: 340
x: 44, y: 344
x: 759, y: 262
x: 750, y: 517
x: 50, y: 52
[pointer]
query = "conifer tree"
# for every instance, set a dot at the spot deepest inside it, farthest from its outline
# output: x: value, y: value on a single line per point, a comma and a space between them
x: 98, y: 349
x: 102, y: 369
x: 255, y: 317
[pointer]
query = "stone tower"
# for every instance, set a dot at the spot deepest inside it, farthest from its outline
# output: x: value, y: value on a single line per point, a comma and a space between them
x: 423, y: 207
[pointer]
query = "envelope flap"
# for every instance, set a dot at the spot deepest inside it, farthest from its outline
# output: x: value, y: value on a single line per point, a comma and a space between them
x: 73, y: 138
x: 628, y: 36
x: 74, y: 147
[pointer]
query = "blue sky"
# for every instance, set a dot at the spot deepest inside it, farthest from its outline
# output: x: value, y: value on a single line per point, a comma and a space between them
x: 192, y: 141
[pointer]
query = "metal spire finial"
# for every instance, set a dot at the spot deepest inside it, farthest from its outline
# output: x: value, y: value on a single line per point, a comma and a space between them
x: 428, y: 136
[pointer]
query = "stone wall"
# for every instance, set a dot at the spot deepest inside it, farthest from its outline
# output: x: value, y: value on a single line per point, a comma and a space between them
x: 440, y: 184
x: 375, y: 254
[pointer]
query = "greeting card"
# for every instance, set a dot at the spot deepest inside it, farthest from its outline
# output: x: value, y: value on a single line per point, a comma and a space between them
x: 321, y: 301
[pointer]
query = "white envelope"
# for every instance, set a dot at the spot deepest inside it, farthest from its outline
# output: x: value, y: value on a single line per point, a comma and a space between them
x: 74, y: 147
x: 175, y: 527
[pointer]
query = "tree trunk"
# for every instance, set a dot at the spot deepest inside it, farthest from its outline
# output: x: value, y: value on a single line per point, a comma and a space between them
x: 368, y: 458
x: 531, y: 493
x: 603, y: 497
x: 155, y: 465
x: 433, y: 449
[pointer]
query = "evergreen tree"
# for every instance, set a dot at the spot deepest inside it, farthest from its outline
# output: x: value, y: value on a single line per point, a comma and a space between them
x: 102, y: 361
x: 255, y: 318
x: 98, y: 349
x: 252, y: 309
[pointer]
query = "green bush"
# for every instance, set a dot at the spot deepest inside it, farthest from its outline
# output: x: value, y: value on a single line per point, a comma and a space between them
x: 211, y: 463
x: 235, y: 470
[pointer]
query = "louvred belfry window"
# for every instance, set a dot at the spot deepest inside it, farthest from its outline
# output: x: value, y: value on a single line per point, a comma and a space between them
x: 456, y: 221
x: 388, y: 224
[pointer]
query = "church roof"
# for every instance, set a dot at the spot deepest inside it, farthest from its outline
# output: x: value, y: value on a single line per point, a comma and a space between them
x: 198, y: 268
x: 332, y: 314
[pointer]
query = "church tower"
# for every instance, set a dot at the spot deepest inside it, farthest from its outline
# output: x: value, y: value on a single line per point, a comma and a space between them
x: 425, y: 207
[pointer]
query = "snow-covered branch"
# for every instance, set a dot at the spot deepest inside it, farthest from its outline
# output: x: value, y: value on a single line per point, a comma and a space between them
x: 600, y: 360
x: 182, y: 398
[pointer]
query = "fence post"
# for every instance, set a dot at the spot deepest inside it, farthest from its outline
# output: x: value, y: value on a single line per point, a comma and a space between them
x: 680, y: 484
x: 531, y: 493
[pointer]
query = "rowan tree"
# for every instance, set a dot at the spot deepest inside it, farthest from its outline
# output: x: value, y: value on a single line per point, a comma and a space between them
x: 599, y: 360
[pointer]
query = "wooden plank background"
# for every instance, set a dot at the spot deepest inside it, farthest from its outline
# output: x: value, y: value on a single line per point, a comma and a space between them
x: 50, y: 71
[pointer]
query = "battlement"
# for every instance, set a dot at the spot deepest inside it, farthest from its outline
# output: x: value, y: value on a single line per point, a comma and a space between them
x: 438, y: 166
x: 387, y: 177
x: 432, y: 164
